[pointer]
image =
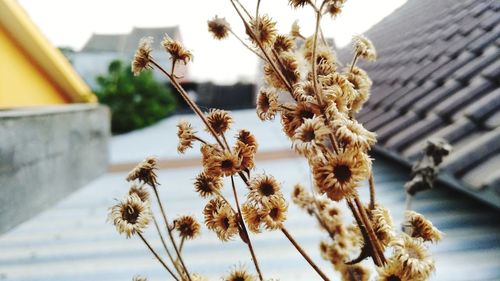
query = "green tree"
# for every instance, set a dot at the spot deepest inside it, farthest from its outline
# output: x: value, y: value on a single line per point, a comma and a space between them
x: 135, y: 102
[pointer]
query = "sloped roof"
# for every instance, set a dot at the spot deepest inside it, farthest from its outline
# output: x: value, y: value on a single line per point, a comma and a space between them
x: 127, y: 43
x: 438, y: 76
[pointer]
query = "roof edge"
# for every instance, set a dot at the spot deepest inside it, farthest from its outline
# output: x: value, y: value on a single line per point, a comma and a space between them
x: 53, y: 63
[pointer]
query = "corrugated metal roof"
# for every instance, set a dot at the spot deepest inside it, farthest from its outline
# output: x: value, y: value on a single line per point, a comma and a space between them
x: 72, y: 240
x: 437, y: 76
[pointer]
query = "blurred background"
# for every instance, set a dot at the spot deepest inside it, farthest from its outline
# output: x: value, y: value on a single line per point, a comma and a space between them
x: 74, y: 121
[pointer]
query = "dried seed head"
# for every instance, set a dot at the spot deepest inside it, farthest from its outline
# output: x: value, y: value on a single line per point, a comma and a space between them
x: 263, y: 188
x: 310, y: 135
x: 356, y: 272
x: 335, y: 7
x: 219, y: 120
x: 335, y: 79
x: 247, y: 138
x: 142, y: 56
x: 265, y: 31
x: 283, y: 43
x: 352, y: 133
x: 361, y: 85
x: 295, y: 30
x: 176, y: 50
x: 336, y: 103
x: 304, y: 91
x: 364, y: 48
x: 267, y: 104
x: 392, y: 271
x: 298, y: 3
x: 413, y: 256
x: 140, y: 191
x: 421, y: 227
x: 301, y: 197
x: 220, y: 218
x: 207, y: 185
x: 187, y: 226
x: 130, y: 216
x: 239, y: 274
x: 339, y: 175
x: 139, y: 278
x: 382, y: 224
x: 274, y: 213
x: 303, y: 111
x: 253, y: 219
x: 207, y: 151
x: 145, y: 172
x: 219, y: 27
x: 186, y: 135
x: 222, y: 163
x: 289, y: 70
x: 246, y: 155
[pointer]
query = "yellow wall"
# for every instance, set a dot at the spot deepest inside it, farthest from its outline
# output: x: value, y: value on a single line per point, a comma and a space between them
x: 22, y: 83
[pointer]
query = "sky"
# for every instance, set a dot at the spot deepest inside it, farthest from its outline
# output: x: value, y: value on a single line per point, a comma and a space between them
x: 72, y: 22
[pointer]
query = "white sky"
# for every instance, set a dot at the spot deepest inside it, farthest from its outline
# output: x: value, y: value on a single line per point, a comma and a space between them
x: 72, y: 22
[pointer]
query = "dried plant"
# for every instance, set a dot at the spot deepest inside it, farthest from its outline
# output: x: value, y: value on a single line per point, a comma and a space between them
x: 317, y: 101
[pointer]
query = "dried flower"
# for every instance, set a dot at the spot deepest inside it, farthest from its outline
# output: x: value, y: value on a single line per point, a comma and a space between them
x: 335, y: 7
x: 140, y: 191
x: 289, y: 69
x: 355, y: 272
x: 347, y: 91
x: 336, y: 102
x: 130, y: 216
x: 247, y: 138
x: 413, y: 256
x: 267, y: 104
x: 239, y: 274
x: 310, y: 136
x: 338, y: 175
x: 207, y: 151
x: 139, y: 278
x: 421, y: 227
x: 145, y: 172
x: 263, y: 188
x: 251, y: 214
x: 301, y: 197
x: 222, y: 163
x: 187, y: 226
x: 301, y: 112
x: 350, y: 132
x: 176, y: 50
x: 382, y: 224
x: 298, y: 3
x: 283, y: 43
x: 304, y: 91
x: 392, y: 271
x: 364, y: 48
x: 142, y: 56
x: 207, y: 185
x: 265, y: 32
x: 219, y: 27
x: 186, y: 135
x: 220, y: 218
x: 274, y: 213
x: 246, y: 155
x: 219, y: 120
x: 295, y: 30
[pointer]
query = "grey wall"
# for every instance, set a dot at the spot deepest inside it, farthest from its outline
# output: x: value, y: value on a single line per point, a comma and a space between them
x: 47, y: 153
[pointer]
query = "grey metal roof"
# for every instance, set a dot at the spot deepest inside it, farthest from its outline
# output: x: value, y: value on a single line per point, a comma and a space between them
x: 127, y: 43
x: 438, y: 76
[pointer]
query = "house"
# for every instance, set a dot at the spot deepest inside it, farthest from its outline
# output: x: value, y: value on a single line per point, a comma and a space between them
x: 101, y: 49
x: 32, y: 71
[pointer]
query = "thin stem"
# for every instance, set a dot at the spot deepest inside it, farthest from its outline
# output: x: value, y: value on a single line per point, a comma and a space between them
x: 257, y: 12
x: 157, y: 256
x: 315, y: 47
x: 246, y: 45
x: 304, y: 254
x: 354, y: 60
x: 362, y: 227
x: 165, y: 244
x: 409, y: 199
x: 243, y: 8
x: 371, y: 183
x: 377, y: 248
x: 173, y: 68
x: 199, y: 139
x: 245, y: 232
x: 181, y: 245
x: 170, y: 233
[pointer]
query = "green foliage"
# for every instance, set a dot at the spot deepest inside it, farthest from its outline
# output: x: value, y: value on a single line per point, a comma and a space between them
x: 135, y: 101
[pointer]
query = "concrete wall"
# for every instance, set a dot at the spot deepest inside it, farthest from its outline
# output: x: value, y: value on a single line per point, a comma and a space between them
x: 47, y: 153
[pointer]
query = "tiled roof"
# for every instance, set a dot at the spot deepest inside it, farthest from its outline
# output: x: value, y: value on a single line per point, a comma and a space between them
x: 437, y: 75
x: 127, y: 43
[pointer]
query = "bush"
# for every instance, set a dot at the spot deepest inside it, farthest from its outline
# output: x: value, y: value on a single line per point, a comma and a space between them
x: 135, y: 102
